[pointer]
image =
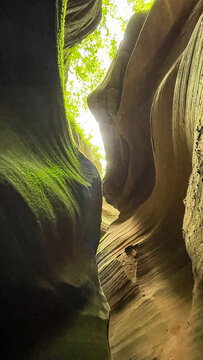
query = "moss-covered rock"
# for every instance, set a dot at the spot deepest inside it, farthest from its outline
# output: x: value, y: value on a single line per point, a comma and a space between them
x: 50, y: 199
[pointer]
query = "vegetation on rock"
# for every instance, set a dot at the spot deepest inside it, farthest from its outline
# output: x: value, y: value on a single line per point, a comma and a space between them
x: 88, y: 61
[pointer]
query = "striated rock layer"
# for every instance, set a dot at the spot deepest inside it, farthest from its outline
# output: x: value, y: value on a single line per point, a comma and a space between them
x: 150, y: 263
x: 51, y: 302
x: 81, y: 18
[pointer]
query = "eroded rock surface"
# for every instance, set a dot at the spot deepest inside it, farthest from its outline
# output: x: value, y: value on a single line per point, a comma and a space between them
x: 150, y: 262
x: 51, y: 302
x: 82, y: 16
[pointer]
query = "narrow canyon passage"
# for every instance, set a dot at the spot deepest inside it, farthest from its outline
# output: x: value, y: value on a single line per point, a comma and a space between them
x: 136, y: 293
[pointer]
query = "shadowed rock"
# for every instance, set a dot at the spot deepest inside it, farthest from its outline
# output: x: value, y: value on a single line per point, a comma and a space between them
x: 51, y: 302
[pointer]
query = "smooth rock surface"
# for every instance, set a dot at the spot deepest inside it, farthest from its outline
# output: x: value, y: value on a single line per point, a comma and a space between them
x: 150, y: 268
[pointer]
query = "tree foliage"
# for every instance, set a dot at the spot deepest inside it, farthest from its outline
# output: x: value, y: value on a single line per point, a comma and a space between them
x: 86, y: 67
x: 89, y: 61
x: 141, y: 5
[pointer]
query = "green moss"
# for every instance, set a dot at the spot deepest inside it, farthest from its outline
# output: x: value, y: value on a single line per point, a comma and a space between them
x: 40, y: 186
x: 40, y: 164
x: 60, y: 37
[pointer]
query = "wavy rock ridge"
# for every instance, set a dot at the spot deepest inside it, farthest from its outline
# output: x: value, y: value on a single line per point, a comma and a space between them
x: 150, y: 105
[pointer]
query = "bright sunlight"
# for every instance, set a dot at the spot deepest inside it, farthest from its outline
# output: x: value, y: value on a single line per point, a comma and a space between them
x: 89, y: 63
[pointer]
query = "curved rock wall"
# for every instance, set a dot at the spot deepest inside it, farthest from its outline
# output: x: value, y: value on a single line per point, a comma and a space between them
x: 82, y: 16
x: 51, y: 302
x: 152, y: 105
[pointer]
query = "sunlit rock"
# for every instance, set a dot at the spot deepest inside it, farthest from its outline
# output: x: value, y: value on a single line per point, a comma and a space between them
x: 150, y: 261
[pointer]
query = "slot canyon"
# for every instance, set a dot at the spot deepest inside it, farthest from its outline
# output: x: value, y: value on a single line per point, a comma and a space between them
x: 136, y: 292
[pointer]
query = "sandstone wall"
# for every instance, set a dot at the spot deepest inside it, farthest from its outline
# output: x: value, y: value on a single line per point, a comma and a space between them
x: 150, y: 106
x: 51, y: 302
